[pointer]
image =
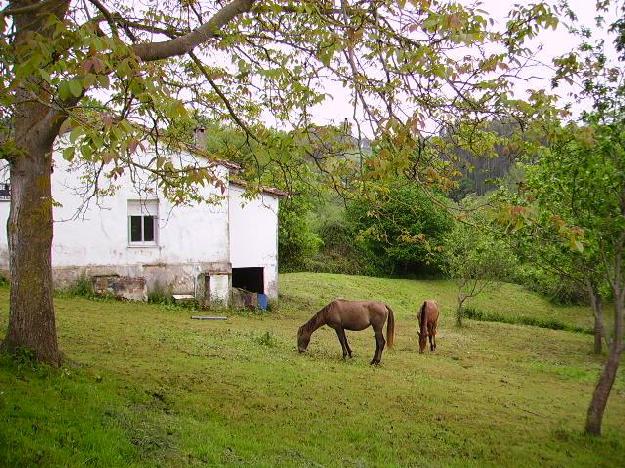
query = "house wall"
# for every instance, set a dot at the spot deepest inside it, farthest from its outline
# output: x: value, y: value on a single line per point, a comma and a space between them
x: 192, y: 241
x: 254, y: 235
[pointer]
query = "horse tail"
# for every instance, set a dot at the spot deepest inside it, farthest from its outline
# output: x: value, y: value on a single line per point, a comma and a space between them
x: 390, y: 327
x: 422, y: 317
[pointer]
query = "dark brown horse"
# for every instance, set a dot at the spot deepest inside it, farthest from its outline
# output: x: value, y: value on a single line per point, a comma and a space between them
x: 428, y: 320
x: 351, y: 315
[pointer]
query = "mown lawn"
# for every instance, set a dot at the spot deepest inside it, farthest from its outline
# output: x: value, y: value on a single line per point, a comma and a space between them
x: 145, y: 385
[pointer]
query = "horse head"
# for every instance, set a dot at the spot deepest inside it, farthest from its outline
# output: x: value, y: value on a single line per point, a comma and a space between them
x: 303, y: 338
x: 423, y: 341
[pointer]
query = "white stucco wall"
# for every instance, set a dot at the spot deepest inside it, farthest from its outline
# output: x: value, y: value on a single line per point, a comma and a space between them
x: 186, y: 234
x: 191, y: 240
x: 254, y: 235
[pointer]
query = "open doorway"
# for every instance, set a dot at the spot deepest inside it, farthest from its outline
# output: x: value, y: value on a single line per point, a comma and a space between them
x: 251, y: 279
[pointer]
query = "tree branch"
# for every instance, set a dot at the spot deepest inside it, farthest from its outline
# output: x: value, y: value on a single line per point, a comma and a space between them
x: 223, y: 97
x: 151, y: 51
x: 107, y: 15
x: 25, y: 9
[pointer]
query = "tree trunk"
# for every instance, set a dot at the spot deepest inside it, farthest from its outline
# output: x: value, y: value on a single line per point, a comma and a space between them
x: 459, y: 310
x: 598, y: 345
x: 597, y: 309
x: 594, y: 415
x: 31, y: 317
x: 29, y: 228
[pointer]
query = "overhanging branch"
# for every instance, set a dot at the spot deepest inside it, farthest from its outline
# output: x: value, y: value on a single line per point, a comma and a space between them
x: 151, y: 51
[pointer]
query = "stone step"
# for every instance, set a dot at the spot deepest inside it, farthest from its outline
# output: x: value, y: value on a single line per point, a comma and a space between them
x: 183, y: 297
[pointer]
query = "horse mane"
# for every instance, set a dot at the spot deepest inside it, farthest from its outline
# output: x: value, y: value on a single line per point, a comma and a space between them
x: 311, y: 325
x: 422, y: 317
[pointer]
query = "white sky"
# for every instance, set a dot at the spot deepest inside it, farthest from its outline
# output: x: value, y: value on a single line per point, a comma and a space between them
x: 552, y: 43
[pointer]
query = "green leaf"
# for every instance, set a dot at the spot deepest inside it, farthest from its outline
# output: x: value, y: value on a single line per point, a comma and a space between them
x: 89, y: 80
x: 75, y: 87
x: 104, y: 81
x: 69, y: 152
x: 64, y: 92
x: 75, y: 133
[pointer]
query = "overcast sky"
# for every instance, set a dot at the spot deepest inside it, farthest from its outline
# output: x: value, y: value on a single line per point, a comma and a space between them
x: 551, y: 44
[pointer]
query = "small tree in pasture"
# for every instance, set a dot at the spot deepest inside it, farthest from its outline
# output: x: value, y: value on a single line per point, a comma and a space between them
x: 573, y: 203
x: 476, y: 260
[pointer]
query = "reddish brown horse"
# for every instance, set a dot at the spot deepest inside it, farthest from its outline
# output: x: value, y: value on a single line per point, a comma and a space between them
x: 428, y: 320
x: 351, y: 315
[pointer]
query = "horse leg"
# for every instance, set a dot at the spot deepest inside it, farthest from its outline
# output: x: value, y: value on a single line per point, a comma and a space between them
x: 434, y: 336
x: 431, y: 337
x: 349, y: 350
x: 379, y: 346
x: 341, y: 336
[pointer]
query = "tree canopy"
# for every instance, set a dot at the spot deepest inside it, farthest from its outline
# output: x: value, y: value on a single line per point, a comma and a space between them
x: 116, y: 76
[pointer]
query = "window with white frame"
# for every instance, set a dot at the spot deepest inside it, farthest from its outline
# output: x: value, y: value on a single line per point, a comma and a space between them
x: 142, y: 222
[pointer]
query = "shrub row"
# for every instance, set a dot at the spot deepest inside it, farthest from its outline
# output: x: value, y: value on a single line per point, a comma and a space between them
x: 552, y: 324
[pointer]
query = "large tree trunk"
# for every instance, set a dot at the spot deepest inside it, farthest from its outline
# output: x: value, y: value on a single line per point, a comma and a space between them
x: 31, y: 320
x: 35, y: 127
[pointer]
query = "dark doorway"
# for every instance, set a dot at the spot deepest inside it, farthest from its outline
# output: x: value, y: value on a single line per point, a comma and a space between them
x: 250, y: 279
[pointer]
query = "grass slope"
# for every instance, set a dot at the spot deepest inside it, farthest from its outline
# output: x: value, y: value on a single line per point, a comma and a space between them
x: 144, y: 385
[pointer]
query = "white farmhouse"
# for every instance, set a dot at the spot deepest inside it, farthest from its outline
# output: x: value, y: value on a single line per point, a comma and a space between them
x: 137, y: 237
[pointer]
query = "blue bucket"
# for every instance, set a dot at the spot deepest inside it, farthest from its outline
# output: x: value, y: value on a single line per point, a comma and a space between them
x: 263, y: 301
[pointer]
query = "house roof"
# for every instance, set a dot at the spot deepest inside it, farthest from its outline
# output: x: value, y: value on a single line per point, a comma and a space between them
x: 268, y: 190
x: 196, y: 151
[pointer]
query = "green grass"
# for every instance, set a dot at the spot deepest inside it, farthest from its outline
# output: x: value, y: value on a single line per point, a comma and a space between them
x: 143, y: 385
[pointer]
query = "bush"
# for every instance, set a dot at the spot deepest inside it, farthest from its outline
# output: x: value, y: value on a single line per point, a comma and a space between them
x: 552, y: 324
x: 400, y: 232
x: 82, y: 287
x: 297, y: 241
x: 396, y: 233
x: 339, y: 253
x: 159, y: 295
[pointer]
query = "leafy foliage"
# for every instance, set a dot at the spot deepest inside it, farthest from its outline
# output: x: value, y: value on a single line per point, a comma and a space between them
x: 116, y: 75
x: 558, y: 288
x: 400, y: 228
x: 476, y: 258
x: 297, y: 239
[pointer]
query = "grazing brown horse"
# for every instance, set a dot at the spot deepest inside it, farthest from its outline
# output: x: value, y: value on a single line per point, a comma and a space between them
x: 428, y: 319
x: 351, y: 315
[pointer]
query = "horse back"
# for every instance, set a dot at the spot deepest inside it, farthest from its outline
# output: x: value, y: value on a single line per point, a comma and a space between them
x: 430, y: 309
x: 357, y: 315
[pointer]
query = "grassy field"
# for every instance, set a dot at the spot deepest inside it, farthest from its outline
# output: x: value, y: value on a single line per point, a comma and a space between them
x: 145, y: 385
